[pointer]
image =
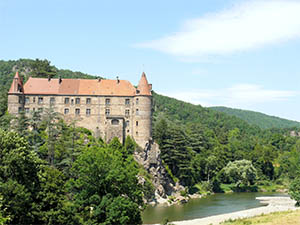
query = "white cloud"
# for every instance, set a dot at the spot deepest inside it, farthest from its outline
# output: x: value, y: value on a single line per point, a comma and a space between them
x: 250, y: 25
x: 238, y: 96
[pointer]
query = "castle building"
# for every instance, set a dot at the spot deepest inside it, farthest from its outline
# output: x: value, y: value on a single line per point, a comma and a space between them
x: 109, y: 108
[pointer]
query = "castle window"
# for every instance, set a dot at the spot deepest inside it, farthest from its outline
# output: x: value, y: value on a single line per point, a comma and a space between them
x: 52, y: 100
x: 107, y: 101
x: 127, y: 112
x: 88, y: 112
x: 115, y: 122
x: 66, y: 111
x: 88, y: 101
x: 127, y: 123
x: 136, y: 123
x: 77, y: 101
x: 20, y: 99
x: 127, y: 101
x: 137, y: 101
x: 137, y: 133
x: 77, y: 111
x: 26, y: 110
x: 107, y: 112
x: 40, y: 100
x: 137, y: 112
x: 67, y: 100
x: 72, y: 101
x: 20, y: 109
x: 26, y: 100
x: 33, y: 100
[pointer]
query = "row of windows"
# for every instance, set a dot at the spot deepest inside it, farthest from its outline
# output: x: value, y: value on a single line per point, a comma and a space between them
x: 67, y: 100
x: 77, y: 111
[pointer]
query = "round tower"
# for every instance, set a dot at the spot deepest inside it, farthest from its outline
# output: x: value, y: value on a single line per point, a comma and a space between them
x: 142, y: 111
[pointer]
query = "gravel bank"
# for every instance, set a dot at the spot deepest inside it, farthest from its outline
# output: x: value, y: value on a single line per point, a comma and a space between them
x: 275, y: 204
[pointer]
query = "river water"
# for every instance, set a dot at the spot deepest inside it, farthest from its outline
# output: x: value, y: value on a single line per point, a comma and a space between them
x: 203, y: 207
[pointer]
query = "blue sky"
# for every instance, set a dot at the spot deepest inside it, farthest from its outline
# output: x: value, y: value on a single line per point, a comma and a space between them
x: 236, y: 53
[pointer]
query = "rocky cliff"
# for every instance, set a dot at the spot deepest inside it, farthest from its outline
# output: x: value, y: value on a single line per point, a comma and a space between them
x: 149, y: 157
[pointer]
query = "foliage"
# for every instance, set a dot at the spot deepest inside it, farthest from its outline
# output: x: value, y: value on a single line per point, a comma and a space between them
x: 240, y: 172
x: 259, y: 119
x: 294, y: 190
x: 113, y: 199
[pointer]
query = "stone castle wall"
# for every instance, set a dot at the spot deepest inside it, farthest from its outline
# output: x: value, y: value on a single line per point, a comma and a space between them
x: 105, y: 116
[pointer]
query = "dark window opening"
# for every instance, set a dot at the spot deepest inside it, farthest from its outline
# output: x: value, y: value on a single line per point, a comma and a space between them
x: 77, y: 101
x: 115, y: 122
x: 67, y: 100
x: 40, y: 100
x: 88, y: 101
x: 88, y: 112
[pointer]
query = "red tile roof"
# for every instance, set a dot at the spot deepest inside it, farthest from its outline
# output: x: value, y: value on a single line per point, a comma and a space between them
x: 85, y: 87
x: 144, y: 87
x: 17, y: 81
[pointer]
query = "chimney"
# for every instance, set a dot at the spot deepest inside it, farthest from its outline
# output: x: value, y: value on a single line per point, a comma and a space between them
x: 49, y: 78
x: 59, y: 80
x: 99, y: 79
x: 118, y: 81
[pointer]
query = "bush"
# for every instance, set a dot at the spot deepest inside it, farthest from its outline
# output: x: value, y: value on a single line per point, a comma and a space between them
x: 294, y: 190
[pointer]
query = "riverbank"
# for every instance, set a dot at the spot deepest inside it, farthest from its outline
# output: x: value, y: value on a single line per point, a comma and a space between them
x: 274, y: 204
x: 277, y: 218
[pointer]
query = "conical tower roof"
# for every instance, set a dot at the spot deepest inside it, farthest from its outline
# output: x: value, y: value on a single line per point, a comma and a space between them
x: 17, y: 84
x: 144, y: 88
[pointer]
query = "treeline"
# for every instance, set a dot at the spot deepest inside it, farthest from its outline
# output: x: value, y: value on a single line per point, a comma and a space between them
x: 55, y: 173
x: 259, y: 119
x: 199, y: 145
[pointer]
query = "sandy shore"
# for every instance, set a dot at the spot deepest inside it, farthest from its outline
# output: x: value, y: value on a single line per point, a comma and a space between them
x: 275, y: 204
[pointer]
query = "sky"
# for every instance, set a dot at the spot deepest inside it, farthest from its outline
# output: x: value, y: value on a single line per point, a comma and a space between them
x: 236, y: 53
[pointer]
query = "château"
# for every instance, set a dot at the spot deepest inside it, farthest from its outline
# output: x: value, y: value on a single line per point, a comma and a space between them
x: 109, y: 108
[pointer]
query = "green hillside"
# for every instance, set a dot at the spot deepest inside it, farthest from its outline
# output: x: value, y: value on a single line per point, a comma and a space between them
x: 259, y: 119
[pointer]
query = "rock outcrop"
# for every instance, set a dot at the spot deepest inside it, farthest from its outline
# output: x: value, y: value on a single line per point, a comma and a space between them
x: 150, y: 158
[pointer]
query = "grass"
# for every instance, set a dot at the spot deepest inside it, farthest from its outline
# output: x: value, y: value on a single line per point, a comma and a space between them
x: 277, y: 218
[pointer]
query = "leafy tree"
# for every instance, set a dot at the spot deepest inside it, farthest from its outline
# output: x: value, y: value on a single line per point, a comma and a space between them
x: 105, y: 187
x: 240, y: 172
x: 42, y: 68
x: 294, y: 190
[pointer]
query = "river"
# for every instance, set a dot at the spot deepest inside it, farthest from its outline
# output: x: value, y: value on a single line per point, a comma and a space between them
x: 203, y: 207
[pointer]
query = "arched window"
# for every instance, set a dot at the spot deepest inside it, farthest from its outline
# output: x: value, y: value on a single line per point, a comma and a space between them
x: 115, y: 122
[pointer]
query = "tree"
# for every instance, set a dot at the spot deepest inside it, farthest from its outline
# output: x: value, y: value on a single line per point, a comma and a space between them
x: 294, y: 190
x: 105, y: 187
x: 240, y: 172
x: 42, y: 68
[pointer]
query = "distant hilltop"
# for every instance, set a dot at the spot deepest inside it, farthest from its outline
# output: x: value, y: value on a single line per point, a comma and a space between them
x: 259, y: 119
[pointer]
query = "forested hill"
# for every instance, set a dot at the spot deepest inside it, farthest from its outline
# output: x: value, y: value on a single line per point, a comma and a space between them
x: 259, y: 119
x: 184, y: 113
